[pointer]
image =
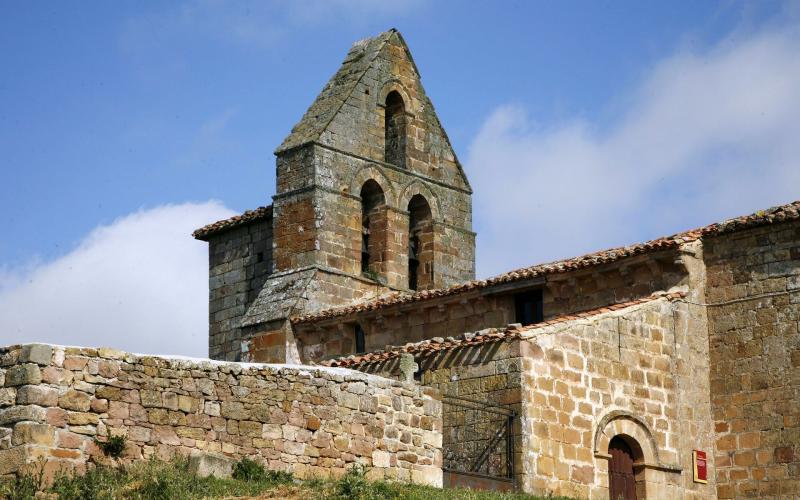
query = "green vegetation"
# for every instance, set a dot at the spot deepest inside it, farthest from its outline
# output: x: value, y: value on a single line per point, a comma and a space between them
x: 158, y: 480
x: 113, y: 446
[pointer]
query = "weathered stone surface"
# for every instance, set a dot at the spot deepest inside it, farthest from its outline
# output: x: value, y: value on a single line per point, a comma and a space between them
x: 41, y: 354
x: 75, y: 400
x: 23, y: 374
x: 12, y: 459
x: 210, y: 464
x: 33, y: 433
x: 37, y: 395
x: 288, y: 416
x: 22, y: 413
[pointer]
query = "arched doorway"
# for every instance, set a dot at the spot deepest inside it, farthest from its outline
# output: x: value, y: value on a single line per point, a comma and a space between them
x: 621, y: 481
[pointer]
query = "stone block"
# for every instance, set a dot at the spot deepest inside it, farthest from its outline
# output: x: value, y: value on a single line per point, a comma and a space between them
x: 22, y: 413
x: 12, y: 459
x: 210, y: 464
x: 33, y: 433
x: 427, y: 475
x: 381, y: 459
x: 37, y: 395
x: 41, y: 354
x: 27, y: 374
x: 75, y: 400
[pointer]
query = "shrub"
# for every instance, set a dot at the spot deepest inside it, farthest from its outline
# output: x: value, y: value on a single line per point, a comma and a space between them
x: 250, y: 470
x: 113, y: 446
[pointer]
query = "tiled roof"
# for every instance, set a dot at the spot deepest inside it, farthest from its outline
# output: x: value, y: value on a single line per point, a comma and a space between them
x: 237, y: 220
x: 431, y: 346
x: 773, y: 215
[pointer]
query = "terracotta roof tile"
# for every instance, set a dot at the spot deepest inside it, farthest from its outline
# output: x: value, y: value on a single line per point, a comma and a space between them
x: 790, y: 211
x: 437, y: 344
x: 237, y: 220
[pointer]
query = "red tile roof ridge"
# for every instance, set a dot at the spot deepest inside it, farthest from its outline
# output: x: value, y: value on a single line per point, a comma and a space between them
x: 781, y: 213
x: 237, y: 220
x: 485, y: 336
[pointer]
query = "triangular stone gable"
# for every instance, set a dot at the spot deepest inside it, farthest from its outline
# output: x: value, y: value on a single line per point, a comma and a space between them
x: 347, y: 115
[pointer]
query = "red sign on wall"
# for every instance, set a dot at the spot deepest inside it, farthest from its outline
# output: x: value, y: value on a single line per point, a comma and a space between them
x: 700, y: 466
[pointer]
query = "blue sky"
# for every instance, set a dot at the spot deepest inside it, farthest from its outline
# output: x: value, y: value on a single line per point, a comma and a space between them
x: 596, y: 123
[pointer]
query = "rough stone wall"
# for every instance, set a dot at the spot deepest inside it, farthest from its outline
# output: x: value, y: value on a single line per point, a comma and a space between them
x: 754, y: 308
x: 586, y: 381
x: 313, y: 422
x: 240, y: 260
x: 472, y: 311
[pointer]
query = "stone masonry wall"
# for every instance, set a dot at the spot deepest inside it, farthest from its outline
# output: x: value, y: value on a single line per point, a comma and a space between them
x: 311, y: 421
x: 754, y: 308
x: 240, y: 260
x: 623, y: 373
x: 471, y: 311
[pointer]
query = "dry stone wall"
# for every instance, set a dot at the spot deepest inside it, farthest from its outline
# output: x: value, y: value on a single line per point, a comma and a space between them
x: 312, y: 421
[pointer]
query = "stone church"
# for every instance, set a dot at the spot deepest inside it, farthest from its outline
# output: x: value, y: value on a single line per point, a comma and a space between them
x: 664, y: 369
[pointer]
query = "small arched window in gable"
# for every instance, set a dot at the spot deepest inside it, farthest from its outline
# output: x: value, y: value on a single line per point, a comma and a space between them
x: 395, y: 130
x: 420, y: 244
x: 373, y: 227
x: 360, y: 339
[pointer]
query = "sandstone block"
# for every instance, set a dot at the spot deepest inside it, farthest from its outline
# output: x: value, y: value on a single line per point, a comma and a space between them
x: 22, y: 413
x: 41, y: 354
x: 381, y: 459
x: 210, y: 464
x: 80, y: 418
x: 12, y: 459
x: 23, y: 375
x: 33, y: 433
x: 8, y: 395
x: 75, y: 400
x: 150, y: 399
x: 109, y: 353
x: 428, y: 475
x: 37, y: 395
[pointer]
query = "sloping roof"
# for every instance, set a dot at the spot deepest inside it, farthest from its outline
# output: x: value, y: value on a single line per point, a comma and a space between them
x: 490, y: 335
x: 336, y: 91
x: 247, y: 217
x: 782, y: 213
x: 279, y: 297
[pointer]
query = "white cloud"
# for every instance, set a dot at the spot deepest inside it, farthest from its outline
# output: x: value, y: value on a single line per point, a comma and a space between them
x: 708, y: 135
x: 139, y: 284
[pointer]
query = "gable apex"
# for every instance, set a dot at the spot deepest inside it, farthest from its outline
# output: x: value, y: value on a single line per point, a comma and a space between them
x: 348, y: 114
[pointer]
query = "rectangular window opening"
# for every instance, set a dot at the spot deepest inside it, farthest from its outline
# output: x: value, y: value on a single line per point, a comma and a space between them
x: 529, y: 307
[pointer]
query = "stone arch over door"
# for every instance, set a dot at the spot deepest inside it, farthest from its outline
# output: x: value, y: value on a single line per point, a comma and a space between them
x: 623, y: 423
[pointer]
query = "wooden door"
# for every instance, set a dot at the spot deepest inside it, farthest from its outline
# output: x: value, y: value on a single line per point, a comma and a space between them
x: 622, y: 484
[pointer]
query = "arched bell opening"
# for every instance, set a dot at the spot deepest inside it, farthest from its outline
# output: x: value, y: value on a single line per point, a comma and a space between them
x: 420, y: 244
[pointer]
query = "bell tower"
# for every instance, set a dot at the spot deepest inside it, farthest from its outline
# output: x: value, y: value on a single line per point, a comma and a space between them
x: 371, y: 199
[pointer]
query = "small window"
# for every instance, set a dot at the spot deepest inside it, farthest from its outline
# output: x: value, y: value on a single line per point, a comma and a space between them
x: 361, y: 346
x: 529, y: 307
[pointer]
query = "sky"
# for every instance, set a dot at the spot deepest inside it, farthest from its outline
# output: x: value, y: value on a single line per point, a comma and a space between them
x: 581, y: 126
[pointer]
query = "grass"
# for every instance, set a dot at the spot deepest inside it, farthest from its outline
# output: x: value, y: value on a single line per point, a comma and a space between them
x: 159, y: 480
